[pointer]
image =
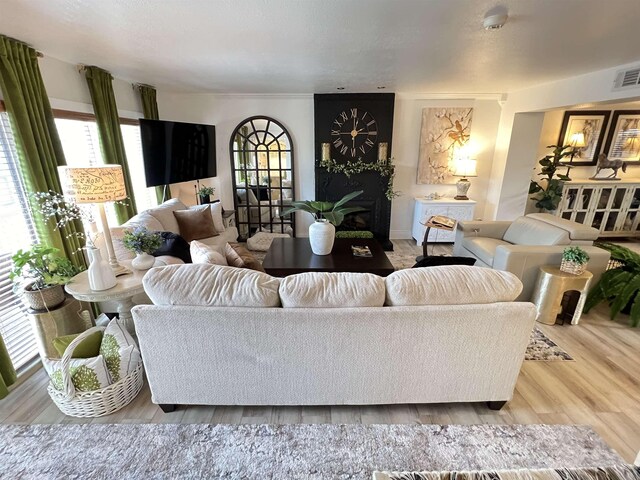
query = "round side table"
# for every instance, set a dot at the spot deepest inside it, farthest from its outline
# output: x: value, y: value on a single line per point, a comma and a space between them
x: 551, y: 286
x: 127, y: 286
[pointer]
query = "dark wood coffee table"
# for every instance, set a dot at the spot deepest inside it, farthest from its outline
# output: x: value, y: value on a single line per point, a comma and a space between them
x: 287, y: 256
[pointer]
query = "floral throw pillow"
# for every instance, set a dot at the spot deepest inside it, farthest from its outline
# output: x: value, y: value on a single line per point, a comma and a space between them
x: 119, y: 350
x: 87, y: 374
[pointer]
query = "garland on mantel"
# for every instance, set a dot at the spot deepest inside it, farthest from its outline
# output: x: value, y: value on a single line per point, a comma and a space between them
x: 385, y: 169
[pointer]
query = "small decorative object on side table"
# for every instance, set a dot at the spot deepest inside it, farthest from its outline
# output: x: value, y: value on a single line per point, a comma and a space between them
x: 550, y: 290
x: 143, y: 243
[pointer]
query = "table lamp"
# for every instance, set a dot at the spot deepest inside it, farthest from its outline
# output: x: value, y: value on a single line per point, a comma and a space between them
x: 464, y: 167
x: 576, y: 141
x: 96, y: 185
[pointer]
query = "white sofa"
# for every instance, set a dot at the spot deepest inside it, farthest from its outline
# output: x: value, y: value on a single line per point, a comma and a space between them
x: 527, y: 243
x: 429, y: 335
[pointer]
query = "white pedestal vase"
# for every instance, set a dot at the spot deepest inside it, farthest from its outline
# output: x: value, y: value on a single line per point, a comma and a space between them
x: 100, y: 273
x: 321, y: 236
x: 143, y: 261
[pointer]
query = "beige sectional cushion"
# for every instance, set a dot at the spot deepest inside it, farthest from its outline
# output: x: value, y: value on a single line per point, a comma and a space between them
x: 332, y: 290
x: 164, y: 214
x: 529, y: 231
x: 450, y: 285
x: 203, y: 253
x: 577, y: 231
x: 145, y: 219
x: 211, y: 285
x: 483, y: 248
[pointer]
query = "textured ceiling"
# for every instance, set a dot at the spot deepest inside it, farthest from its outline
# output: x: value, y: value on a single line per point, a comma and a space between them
x: 305, y: 46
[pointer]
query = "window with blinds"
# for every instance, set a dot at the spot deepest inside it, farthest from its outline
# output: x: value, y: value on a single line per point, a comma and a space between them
x: 16, y: 219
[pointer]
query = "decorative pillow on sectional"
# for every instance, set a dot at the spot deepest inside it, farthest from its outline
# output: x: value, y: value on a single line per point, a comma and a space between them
x: 452, y: 285
x: 332, y: 290
x: 211, y: 285
x: 87, y: 348
x: 87, y: 374
x: 164, y: 214
x: 203, y: 253
x: 195, y: 224
x: 119, y: 350
x: 216, y: 214
x: 173, y: 245
x: 238, y: 256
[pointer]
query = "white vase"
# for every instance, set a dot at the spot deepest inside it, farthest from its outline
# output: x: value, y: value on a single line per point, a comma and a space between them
x: 100, y: 273
x: 321, y: 236
x: 143, y: 261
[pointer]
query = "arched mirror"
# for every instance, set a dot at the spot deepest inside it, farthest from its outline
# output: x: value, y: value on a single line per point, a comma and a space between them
x: 263, y: 181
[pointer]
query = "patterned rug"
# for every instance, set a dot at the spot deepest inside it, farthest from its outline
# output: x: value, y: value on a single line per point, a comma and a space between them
x: 136, y: 451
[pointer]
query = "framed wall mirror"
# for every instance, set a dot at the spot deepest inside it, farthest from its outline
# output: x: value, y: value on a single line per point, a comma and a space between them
x: 263, y: 176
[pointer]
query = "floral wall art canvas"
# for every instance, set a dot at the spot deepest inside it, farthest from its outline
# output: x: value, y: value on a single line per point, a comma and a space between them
x: 443, y: 131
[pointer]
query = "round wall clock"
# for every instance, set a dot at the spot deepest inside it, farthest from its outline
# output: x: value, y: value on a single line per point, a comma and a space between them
x: 354, y: 132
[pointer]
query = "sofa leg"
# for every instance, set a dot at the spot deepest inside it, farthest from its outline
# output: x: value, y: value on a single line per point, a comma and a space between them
x: 168, y: 407
x: 496, y: 405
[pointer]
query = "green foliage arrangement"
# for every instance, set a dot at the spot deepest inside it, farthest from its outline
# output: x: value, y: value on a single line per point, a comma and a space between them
x: 334, y: 212
x: 385, y: 169
x: 204, y: 191
x: 548, y: 191
x: 576, y: 255
x: 354, y: 234
x: 41, y: 267
x: 141, y: 240
x: 618, y: 286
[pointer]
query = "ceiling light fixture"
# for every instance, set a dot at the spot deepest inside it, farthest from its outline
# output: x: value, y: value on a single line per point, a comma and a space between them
x: 494, y: 21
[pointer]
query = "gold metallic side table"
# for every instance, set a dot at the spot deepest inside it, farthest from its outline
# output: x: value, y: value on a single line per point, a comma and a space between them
x: 551, y: 286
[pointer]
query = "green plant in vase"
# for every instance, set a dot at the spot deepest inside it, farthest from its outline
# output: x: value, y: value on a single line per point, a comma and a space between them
x: 618, y: 286
x: 205, y: 193
x: 548, y: 191
x: 574, y: 260
x: 143, y: 243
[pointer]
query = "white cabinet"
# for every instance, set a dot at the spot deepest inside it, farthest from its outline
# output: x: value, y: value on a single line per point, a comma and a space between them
x: 457, y: 209
x: 611, y: 207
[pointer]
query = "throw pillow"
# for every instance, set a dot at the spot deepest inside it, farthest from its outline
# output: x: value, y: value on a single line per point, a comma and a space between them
x: 439, y: 261
x: 88, y: 348
x: 173, y: 245
x: 216, y: 214
x: 202, y: 253
x: 247, y: 260
x: 195, y: 224
x: 87, y: 374
x: 119, y: 350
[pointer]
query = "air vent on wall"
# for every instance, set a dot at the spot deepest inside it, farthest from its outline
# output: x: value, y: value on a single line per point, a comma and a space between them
x: 627, y: 79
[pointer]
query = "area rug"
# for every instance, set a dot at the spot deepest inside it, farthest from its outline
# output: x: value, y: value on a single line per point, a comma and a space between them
x: 135, y: 451
x: 542, y: 348
x: 623, y: 472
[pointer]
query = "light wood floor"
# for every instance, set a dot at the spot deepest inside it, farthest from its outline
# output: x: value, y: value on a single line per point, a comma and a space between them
x: 601, y: 388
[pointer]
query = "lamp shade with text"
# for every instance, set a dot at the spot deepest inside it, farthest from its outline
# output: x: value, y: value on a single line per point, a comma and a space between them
x: 93, y: 184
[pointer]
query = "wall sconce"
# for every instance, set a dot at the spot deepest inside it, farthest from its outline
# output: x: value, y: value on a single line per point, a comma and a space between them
x: 326, y: 152
x: 383, y: 148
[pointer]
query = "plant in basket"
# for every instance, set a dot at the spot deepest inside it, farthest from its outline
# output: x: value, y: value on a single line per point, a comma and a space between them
x: 143, y: 243
x: 40, y: 273
x: 574, y: 260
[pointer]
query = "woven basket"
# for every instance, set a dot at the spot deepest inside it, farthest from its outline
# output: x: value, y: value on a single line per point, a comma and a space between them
x: 97, y: 402
x: 43, y: 299
x: 572, y: 267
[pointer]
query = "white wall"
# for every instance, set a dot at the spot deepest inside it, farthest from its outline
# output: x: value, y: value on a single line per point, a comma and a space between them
x: 296, y: 113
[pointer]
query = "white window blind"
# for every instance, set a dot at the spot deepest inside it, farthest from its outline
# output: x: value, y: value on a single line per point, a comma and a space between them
x: 16, y: 222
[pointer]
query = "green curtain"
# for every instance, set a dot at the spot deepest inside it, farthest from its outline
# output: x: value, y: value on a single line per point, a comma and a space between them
x: 37, y: 141
x: 111, y: 143
x: 7, y: 372
x: 150, y: 111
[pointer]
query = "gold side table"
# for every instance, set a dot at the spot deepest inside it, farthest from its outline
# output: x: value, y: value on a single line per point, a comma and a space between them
x: 551, y: 286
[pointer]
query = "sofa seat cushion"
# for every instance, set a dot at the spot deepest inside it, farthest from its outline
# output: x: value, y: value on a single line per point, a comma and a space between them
x: 450, y: 285
x: 529, y: 231
x: 164, y: 214
x: 332, y: 290
x: 211, y: 285
x: 483, y: 248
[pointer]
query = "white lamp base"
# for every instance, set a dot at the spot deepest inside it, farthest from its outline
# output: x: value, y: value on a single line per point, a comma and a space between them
x: 462, y: 187
x: 120, y: 270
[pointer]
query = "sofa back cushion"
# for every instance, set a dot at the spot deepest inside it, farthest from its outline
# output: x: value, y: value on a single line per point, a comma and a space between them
x: 164, y: 214
x: 450, y: 285
x: 332, y: 290
x: 529, y: 231
x: 211, y: 285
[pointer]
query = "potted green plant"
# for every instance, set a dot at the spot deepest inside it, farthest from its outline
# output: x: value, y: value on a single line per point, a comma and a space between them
x: 205, y: 194
x: 143, y: 243
x: 40, y: 273
x: 548, y: 191
x: 618, y: 286
x: 574, y: 260
x: 327, y: 215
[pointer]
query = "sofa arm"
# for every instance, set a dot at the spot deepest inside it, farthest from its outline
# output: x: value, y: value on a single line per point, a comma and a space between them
x: 494, y: 229
x: 525, y: 260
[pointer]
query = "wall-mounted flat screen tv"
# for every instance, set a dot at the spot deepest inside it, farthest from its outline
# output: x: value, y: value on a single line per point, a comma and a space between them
x: 177, y: 152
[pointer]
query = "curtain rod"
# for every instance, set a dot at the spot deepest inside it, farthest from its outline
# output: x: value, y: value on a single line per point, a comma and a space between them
x: 137, y: 86
x: 38, y: 54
